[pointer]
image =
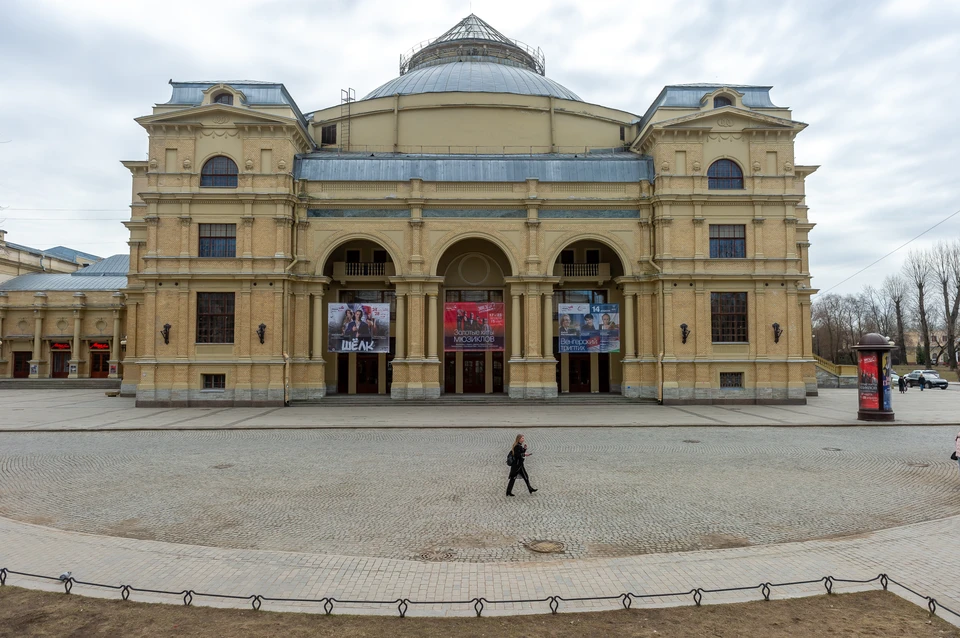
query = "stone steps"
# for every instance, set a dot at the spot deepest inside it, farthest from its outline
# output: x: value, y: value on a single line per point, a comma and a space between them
x: 59, y: 384
x: 367, y: 400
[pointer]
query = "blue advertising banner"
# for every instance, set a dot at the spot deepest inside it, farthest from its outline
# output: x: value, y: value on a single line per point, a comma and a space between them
x: 589, y: 327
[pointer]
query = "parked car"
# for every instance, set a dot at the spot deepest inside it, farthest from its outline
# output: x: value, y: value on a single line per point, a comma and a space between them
x: 930, y: 379
x: 894, y: 379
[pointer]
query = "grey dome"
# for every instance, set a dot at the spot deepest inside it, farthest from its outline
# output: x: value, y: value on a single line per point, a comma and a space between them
x: 473, y: 77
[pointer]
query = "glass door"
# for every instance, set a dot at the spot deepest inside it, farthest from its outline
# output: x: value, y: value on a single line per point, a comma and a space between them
x: 474, y: 373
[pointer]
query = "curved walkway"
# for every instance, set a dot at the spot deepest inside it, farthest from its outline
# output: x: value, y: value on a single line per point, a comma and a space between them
x: 925, y: 556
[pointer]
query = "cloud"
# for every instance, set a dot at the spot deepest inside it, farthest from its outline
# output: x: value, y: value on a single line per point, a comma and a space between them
x: 876, y: 82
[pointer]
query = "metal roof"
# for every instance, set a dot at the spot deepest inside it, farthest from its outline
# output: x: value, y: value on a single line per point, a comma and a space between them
x: 256, y: 93
x: 612, y: 167
x: 106, y: 274
x: 689, y: 96
x: 472, y: 28
x: 70, y: 254
x: 473, y: 77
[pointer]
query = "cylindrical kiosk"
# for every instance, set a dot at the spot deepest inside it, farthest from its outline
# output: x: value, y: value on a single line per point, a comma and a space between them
x: 873, y: 374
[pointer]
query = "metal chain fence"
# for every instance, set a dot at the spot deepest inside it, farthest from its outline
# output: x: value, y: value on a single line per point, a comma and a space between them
x: 480, y: 604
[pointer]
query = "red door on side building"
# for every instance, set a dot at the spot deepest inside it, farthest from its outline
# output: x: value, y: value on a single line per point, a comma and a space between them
x: 21, y: 365
x: 61, y: 364
x: 99, y: 365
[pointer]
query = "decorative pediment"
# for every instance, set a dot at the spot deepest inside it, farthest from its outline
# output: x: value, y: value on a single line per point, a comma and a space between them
x: 730, y: 118
x: 215, y: 115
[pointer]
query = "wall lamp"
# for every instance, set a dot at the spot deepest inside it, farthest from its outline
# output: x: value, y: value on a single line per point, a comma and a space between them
x: 165, y: 333
x: 123, y: 345
x: 684, y: 332
x: 262, y: 331
x: 777, y: 331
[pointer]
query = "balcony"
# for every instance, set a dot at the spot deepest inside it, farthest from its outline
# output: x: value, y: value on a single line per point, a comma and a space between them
x: 582, y: 272
x: 363, y: 271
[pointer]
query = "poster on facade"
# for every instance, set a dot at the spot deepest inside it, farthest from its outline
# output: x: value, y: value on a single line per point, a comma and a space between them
x: 869, y: 381
x: 473, y: 327
x: 591, y: 327
x: 358, y: 327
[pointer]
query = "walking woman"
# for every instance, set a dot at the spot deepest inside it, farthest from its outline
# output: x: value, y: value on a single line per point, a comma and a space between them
x: 519, y: 452
x: 956, y: 453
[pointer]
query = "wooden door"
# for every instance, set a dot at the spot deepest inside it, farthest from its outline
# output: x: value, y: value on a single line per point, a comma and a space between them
x: 474, y: 372
x: 21, y: 365
x: 61, y: 365
x: 603, y: 370
x: 99, y: 365
x: 498, y: 372
x: 579, y: 366
x: 368, y: 373
x: 343, y: 373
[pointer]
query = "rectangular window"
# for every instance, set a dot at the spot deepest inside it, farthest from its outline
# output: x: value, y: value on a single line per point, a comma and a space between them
x: 475, y: 296
x: 593, y: 256
x: 218, y: 240
x: 371, y: 296
x: 731, y: 379
x: 353, y: 256
x: 577, y: 296
x: 379, y: 256
x: 215, y: 317
x: 728, y: 241
x: 729, y: 317
x: 567, y: 257
x: 623, y: 134
x: 328, y: 134
x: 214, y: 381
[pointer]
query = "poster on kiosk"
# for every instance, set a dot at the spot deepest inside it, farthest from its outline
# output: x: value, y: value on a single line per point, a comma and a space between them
x: 355, y: 327
x: 869, y: 381
x: 473, y: 327
x: 589, y: 327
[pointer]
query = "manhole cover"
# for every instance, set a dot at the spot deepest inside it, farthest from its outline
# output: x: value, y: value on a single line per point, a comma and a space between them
x: 918, y: 464
x: 223, y: 466
x: 832, y: 449
x: 690, y: 441
x: 546, y: 547
x: 438, y: 555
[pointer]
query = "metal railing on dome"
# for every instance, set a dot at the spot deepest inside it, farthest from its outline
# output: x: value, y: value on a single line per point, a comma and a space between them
x: 537, y: 57
x: 480, y: 604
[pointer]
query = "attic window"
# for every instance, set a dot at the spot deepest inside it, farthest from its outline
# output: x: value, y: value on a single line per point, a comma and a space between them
x: 722, y: 100
x: 328, y: 134
x: 223, y: 98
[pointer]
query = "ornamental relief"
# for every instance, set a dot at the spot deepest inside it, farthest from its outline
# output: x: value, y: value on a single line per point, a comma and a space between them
x: 219, y: 133
x: 725, y: 137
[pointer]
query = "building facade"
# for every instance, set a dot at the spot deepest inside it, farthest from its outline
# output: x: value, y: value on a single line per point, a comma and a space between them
x: 16, y: 259
x: 468, y: 227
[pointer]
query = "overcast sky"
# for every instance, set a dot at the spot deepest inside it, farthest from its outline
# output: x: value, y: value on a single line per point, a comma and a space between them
x: 877, y: 82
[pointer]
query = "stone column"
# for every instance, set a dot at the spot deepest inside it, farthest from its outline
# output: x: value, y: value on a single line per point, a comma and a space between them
x: 432, y: 325
x: 515, y: 343
x: 75, y: 347
x: 3, y: 312
x: 415, y: 315
x: 401, y: 336
x: 38, y: 313
x: 301, y: 325
x: 318, y: 318
x: 548, y: 324
x: 114, y: 362
x: 185, y: 222
x: 629, y: 328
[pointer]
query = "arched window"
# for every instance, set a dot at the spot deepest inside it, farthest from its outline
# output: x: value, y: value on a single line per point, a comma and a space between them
x: 219, y: 172
x: 724, y: 175
x: 223, y: 98
x: 721, y: 100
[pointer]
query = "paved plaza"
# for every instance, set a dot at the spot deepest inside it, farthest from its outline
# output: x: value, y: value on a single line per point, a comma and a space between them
x: 351, y: 504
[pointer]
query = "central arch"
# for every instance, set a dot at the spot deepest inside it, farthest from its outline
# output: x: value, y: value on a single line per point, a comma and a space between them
x: 474, y: 330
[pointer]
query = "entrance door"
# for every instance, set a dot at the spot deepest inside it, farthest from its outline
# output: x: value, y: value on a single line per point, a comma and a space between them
x: 603, y: 370
x: 61, y: 365
x: 368, y: 373
x: 498, y: 372
x: 474, y: 373
x: 579, y: 365
x: 343, y: 373
x: 99, y: 365
x: 21, y: 365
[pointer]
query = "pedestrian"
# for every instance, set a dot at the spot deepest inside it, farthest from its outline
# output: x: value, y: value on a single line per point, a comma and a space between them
x: 517, y: 469
x: 921, y: 381
x: 956, y: 449
x: 902, y: 384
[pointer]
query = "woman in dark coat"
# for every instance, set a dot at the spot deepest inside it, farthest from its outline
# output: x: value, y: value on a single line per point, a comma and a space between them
x: 519, y: 452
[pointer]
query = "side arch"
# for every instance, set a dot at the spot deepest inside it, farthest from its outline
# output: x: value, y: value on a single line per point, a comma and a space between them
x: 335, y: 242
x: 574, y: 236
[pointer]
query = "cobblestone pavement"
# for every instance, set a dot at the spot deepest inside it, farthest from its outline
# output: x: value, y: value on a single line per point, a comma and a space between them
x: 438, y: 494
x: 50, y: 410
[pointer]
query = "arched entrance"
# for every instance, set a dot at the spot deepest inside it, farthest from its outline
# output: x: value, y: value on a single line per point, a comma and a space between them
x: 359, y: 316
x: 474, y: 334
x: 587, y: 305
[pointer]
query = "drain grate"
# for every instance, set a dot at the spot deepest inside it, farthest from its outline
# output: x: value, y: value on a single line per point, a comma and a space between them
x: 832, y: 449
x: 691, y: 441
x: 914, y: 464
x: 546, y: 547
x: 223, y: 466
x: 438, y: 555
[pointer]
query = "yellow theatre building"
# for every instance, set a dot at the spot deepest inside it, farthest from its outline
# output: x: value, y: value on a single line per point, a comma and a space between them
x: 468, y: 227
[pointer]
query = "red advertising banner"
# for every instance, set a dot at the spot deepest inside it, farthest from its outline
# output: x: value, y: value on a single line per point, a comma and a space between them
x: 472, y: 327
x: 869, y: 381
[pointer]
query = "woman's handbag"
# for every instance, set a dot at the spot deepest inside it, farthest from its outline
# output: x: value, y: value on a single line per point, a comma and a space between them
x: 953, y: 457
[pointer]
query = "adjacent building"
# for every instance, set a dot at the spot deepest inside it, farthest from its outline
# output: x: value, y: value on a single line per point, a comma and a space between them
x: 470, y: 226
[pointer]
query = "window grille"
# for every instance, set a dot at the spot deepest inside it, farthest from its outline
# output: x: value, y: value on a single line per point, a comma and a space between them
x: 729, y: 317
x: 728, y: 241
x: 215, y: 312
x: 724, y: 175
x: 218, y: 240
x: 731, y: 379
x: 720, y: 100
x: 223, y: 98
x: 328, y: 134
x: 219, y: 172
x: 214, y: 381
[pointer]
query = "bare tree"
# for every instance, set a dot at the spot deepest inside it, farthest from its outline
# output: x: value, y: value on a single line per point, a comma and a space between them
x: 945, y: 269
x: 917, y: 271
x: 895, y: 290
